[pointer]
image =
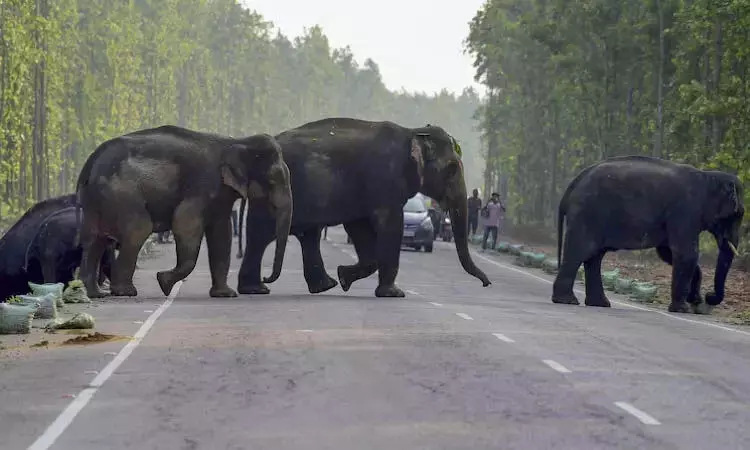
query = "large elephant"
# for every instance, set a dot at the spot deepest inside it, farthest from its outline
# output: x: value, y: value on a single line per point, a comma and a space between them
x: 172, y: 178
x: 360, y: 173
x: 15, y: 274
x: 54, y: 252
x: 639, y: 202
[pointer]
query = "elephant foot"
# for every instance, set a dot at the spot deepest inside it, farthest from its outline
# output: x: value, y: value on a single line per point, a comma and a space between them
x: 328, y: 283
x: 96, y: 293
x: 679, y: 307
x: 239, y: 255
x: 346, y: 277
x: 701, y: 308
x: 602, y: 301
x: 224, y: 291
x: 124, y: 290
x: 254, y: 289
x: 166, y: 281
x: 565, y: 299
x: 389, y: 290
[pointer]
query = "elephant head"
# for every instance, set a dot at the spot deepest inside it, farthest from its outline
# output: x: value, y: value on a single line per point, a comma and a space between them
x: 255, y: 168
x: 723, y: 213
x: 434, y: 168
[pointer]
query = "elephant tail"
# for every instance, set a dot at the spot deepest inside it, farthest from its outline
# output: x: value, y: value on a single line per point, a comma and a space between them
x: 240, y: 227
x: 77, y: 242
x: 560, y: 221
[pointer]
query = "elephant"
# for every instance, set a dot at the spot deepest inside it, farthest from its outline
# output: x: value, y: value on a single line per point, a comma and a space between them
x: 15, y: 274
x: 360, y: 174
x: 640, y: 202
x: 174, y: 178
x: 53, y: 249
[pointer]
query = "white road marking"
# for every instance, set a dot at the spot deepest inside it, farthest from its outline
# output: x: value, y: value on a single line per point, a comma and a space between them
x: 640, y: 415
x: 91, y: 372
x: 304, y: 331
x: 110, y: 354
x: 503, y: 337
x: 627, y: 305
x: 464, y: 316
x: 435, y: 303
x: 138, y: 322
x: 409, y: 291
x: 556, y: 366
x: 149, y: 311
x: 66, y: 417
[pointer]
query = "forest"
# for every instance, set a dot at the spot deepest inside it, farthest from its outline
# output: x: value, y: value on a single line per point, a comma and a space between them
x: 572, y: 82
x: 74, y: 73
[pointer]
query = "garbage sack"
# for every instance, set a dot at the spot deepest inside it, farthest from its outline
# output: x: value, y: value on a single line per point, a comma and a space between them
x: 515, y: 249
x: 76, y: 293
x: 609, y: 279
x: 46, y: 306
x: 623, y: 285
x: 476, y: 239
x: 15, y: 318
x: 39, y: 290
x: 537, y: 259
x: 80, y: 321
x: 549, y: 265
x: 643, y: 291
x: 503, y: 247
x: 524, y: 259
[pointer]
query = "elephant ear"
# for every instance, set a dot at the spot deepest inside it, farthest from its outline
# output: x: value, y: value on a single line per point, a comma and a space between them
x: 731, y: 201
x: 231, y: 172
x: 415, y: 169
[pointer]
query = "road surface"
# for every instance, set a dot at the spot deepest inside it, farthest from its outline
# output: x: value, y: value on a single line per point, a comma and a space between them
x: 451, y: 366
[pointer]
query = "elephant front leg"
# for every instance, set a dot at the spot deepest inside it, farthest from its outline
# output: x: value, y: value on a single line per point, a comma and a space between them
x: 316, y: 276
x: 219, y: 242
x: 259, y: 232
x: 187, y: 228
x: 363, y: 237
x: 389, y: 228
x: 683, y: 271
x: 93, y: 249
x: 595, y: 295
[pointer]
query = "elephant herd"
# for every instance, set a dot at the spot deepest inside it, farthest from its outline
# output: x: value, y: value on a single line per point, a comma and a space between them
x: 353, y: 172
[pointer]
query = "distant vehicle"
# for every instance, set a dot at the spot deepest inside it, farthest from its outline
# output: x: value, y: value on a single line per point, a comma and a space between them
x: 418, y: 228
x: 446, y: 232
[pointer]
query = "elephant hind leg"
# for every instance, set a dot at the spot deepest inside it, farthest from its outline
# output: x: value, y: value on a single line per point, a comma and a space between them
x: 93, y: 247
x: 132, y: 236
x: 578, y: 247
x: 316, y: 276
x: 363, y: 237
x: 595, y: 295
x: 187, y: 228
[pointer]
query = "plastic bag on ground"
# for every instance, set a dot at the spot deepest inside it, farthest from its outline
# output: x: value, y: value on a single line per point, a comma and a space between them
x: 15, y: 318
x: 76, y: 293
x: 537, y: 259
x: 46, y: 305
x: 39, y: 290
x: 623, y: 285
x: 515, y: 249
x: 549, y: 265
x: 609, y: 279
x: 524, y: 259
x: 503, y: 247
x: 643, y: 291
x: 80, y: 321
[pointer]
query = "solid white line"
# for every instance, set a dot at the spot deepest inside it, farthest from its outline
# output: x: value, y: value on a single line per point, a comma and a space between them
x: 640, y: 415
x: 409, y: 291
x: 304, y: 331
x: 435, y: 303
x: 556, y: 366
x: 503, y: 337
x: 66, y: 417
x: 464, y: 316
x: 627, y: 305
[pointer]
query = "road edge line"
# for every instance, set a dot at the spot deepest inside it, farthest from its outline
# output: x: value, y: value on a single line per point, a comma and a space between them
x: 66, y: 417
x: 627, y: 305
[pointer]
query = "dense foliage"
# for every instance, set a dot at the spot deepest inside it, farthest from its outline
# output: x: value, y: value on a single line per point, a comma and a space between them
x: 572, y: 82
x: 74, y: 73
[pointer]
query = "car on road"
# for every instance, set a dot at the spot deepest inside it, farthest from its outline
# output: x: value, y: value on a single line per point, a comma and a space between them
x: 418, y: 228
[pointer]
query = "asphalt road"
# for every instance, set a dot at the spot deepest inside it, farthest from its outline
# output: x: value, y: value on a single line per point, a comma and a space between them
x: 451, y: 366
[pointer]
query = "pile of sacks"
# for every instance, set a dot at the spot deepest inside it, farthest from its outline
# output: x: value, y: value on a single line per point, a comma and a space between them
x: 44, y: 302
x: 640, y: 291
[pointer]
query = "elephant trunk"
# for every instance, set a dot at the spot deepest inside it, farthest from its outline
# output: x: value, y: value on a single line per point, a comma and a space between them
x: 281, y: 205
x: 457, y: 206
x: 727, y: 251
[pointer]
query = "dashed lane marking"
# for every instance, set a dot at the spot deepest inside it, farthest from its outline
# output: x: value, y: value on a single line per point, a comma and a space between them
x: 637, y: 413
x: 503, y: 337
x: 556, y: 366
x: 54, y: 431
x: 464, y: 316
x: 435, y: 303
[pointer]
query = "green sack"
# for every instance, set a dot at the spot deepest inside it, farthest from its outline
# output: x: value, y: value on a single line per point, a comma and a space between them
x: 39, y: 290
x: 76, y: 293
x: 524, y: 259
x: 515, y: 249
x: 80, y: 321
x: 609, y: 279
x: 537, y: 259
x: 16, y: 319
x: 623, y: 285
x: 643, y: 291
x: 46, y: 306
x: 503, y: 247
x: 549, y: 265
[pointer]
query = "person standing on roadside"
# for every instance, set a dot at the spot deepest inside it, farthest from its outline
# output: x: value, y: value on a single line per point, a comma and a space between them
x: 474, y: 205
x: 493, y: 213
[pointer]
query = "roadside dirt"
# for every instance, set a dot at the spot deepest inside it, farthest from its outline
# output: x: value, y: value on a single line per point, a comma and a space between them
x: 646, y: 266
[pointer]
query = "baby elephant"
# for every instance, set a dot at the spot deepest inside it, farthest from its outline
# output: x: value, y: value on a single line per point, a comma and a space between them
x: 53, y: 251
